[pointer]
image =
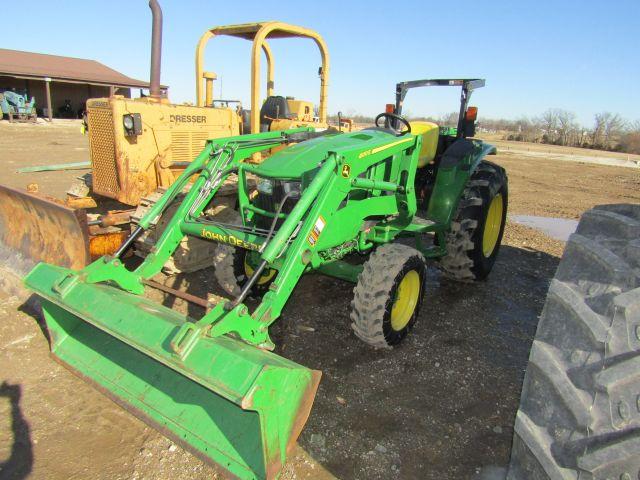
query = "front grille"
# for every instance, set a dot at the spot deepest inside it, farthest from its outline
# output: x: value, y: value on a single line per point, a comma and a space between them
x: 103, y: 151
x: 185, y: 146
x: 270, y: 203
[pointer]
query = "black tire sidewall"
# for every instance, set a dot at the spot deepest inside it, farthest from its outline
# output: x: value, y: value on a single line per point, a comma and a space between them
x: 482, y: 265
x: 394, y: 337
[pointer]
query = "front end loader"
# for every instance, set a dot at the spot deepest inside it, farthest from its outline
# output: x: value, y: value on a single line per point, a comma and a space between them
x: 323, y: 204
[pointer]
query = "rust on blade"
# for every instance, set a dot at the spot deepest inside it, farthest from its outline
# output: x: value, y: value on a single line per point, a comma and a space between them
x: 304, y: 409
x: 40, y: 229
x: 105, y: 241
x: 274, y: 465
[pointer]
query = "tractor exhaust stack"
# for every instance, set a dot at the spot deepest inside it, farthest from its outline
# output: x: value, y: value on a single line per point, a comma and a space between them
x: 156, y: 49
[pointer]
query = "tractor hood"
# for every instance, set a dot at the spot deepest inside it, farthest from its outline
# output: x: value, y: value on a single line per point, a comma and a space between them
x: 296, y: 161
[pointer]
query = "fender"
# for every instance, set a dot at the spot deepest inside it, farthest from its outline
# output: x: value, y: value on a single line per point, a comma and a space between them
x: 457, y: 165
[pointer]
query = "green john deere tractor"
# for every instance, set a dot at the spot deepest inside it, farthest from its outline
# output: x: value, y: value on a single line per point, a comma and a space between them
x: 213, y: 383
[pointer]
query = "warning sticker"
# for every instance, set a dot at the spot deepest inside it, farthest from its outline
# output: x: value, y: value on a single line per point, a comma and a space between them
x: 316, y: 231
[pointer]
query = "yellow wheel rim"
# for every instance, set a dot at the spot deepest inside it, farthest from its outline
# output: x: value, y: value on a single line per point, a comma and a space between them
x: 406, y: 300
x: 264, y: 278
x: 492, y: 225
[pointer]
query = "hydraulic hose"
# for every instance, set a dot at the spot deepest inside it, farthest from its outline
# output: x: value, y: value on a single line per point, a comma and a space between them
x: 309, y: 195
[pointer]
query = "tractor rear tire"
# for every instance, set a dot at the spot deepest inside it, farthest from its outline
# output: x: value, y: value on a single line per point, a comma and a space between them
x: 478, y: 225
x: 579, y: 415
x: 391, y: 270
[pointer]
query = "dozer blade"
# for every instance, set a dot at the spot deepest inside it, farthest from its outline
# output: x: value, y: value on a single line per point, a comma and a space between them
x: 34, y: 228
x: 229, y: 402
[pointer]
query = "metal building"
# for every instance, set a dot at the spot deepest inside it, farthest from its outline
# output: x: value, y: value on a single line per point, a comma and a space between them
x: 61, y: 85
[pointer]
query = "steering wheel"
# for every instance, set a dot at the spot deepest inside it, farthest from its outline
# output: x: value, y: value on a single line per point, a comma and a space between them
x: 393, y: 116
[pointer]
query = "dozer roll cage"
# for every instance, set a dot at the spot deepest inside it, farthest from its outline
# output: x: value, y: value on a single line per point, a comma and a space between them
x: 258, y: 33
x: 468, y: 86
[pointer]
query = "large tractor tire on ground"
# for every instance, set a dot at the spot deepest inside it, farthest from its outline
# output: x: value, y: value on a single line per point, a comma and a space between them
x: 477, y: 226
x: 388, y: 295
x: 579, y: 415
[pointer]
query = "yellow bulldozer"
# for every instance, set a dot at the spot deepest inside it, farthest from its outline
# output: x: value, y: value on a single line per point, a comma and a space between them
x: 140, y: 146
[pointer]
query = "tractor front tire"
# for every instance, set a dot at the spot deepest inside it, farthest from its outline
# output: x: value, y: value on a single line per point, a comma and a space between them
x: 388, y: 295
x: 579, y: 415
x: 478, y: 225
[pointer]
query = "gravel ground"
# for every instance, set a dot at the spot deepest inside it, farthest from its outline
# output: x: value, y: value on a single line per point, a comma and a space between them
x: 441, y: 406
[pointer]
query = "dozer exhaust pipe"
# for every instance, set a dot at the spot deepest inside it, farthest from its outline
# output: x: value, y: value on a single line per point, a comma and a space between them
x: 156, y: 49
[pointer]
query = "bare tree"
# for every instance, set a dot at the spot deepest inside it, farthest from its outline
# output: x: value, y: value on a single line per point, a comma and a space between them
x: 566, y: 125
x: 527, y: 129
x: 600, y: 120
x: 630, y: 141
x: 448, y: 120
x: 613, y: 127
x: 549, y: 125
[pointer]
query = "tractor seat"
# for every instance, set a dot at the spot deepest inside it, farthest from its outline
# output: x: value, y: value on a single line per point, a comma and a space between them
x: 275, y: 106
x: 429, y: 133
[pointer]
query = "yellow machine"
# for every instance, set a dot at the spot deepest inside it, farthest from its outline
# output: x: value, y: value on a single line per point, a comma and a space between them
x: 139, y: 145
x: 129, y: 163
x: 276, y: 112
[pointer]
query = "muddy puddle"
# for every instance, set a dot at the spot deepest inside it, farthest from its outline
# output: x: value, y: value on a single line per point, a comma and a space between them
x: 558, y: 228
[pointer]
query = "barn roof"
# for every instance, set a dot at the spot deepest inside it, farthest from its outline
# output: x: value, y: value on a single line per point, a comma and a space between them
x: 31, y: 65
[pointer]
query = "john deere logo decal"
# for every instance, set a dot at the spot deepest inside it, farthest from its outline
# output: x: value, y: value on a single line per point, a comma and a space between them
x: 229, y: 239
x: 346, y: 170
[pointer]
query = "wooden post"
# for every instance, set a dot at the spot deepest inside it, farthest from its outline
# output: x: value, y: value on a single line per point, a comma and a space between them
x: 47, y: 81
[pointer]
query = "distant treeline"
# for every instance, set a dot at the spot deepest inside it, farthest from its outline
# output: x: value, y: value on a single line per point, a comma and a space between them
x: 555, y: 126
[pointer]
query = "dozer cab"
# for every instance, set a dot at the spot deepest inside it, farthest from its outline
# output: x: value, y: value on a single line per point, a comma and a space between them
x: 322, y: 203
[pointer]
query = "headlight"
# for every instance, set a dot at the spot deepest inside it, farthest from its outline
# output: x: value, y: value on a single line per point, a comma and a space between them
x: 132, y: 123
x: 265, y: 186
x: 292, y: 188
x: 127, y: 121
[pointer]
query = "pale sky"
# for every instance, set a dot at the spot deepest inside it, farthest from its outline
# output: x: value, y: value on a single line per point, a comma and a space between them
x: 576, y: 55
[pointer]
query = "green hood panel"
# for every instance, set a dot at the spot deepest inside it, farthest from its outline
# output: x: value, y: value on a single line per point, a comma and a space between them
x: 295, y: 161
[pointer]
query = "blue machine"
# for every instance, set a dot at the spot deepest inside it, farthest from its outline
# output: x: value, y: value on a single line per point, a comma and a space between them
x: 17, y: 106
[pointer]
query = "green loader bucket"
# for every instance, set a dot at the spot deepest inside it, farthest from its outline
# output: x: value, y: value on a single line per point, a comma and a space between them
x: 229, y: 402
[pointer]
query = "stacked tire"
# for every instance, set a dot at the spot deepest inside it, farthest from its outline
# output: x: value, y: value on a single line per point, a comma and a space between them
x: 579, y: 415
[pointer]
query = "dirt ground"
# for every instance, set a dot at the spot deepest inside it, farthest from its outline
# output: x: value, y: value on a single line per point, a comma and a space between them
x: 441, y: 406
x: 26, y: 145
